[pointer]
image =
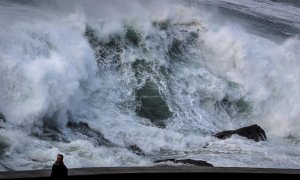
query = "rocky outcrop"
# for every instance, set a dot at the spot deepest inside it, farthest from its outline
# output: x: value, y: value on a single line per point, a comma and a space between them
x: 253, y: 132
x: 84, y: 128
x: 2, y: 117
x: 2, y: 120
x: 136, y: 150
x: 49, y: 130
x: 186, y: 162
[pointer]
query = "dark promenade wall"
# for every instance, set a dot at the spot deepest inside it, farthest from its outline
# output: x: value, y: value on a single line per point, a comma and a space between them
x: 161, y: 173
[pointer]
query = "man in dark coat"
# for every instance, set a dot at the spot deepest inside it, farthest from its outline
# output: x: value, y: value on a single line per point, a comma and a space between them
x: 59, y: 169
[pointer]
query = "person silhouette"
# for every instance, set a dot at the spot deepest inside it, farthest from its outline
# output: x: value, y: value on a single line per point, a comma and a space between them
x: 59, y: 169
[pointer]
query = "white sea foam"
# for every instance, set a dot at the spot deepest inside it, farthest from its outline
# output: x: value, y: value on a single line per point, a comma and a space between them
x: 48, y: 69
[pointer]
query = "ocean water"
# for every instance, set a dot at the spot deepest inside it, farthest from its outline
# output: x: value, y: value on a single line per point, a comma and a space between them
x: 92, y: 79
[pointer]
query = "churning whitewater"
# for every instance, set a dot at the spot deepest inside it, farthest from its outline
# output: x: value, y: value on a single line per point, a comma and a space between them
x: 127, y: 83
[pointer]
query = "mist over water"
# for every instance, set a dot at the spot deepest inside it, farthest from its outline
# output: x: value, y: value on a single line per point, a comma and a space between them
x: 89, y: 80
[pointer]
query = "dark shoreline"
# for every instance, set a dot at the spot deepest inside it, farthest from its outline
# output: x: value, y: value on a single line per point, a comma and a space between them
x: 186, y: 172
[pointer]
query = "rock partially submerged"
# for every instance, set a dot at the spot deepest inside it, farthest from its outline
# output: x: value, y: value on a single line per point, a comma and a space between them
x: 2, y: 117
x: 2, y: 120
x: 187, y: 162
x: 136, y: 150
x: 253, y: 132
x: 84, y: 129
x: 49, y: 130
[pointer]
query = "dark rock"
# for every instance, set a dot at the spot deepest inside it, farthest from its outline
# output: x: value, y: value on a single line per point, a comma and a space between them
x: 50, y: 129
x: 2, y: 120
x: 50, y: 123
x: 187, y: 161
x: 224, y: 134
x: 84, y: 128
x: 2, y: 117
x: 136, y: 150
x: 78, y: 126
x: 253, y: 132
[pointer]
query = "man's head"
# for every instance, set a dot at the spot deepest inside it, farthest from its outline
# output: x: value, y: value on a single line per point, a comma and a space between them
x: 59, y: 158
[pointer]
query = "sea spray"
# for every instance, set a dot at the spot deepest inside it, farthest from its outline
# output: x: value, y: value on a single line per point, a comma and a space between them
x: 91, y: 79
